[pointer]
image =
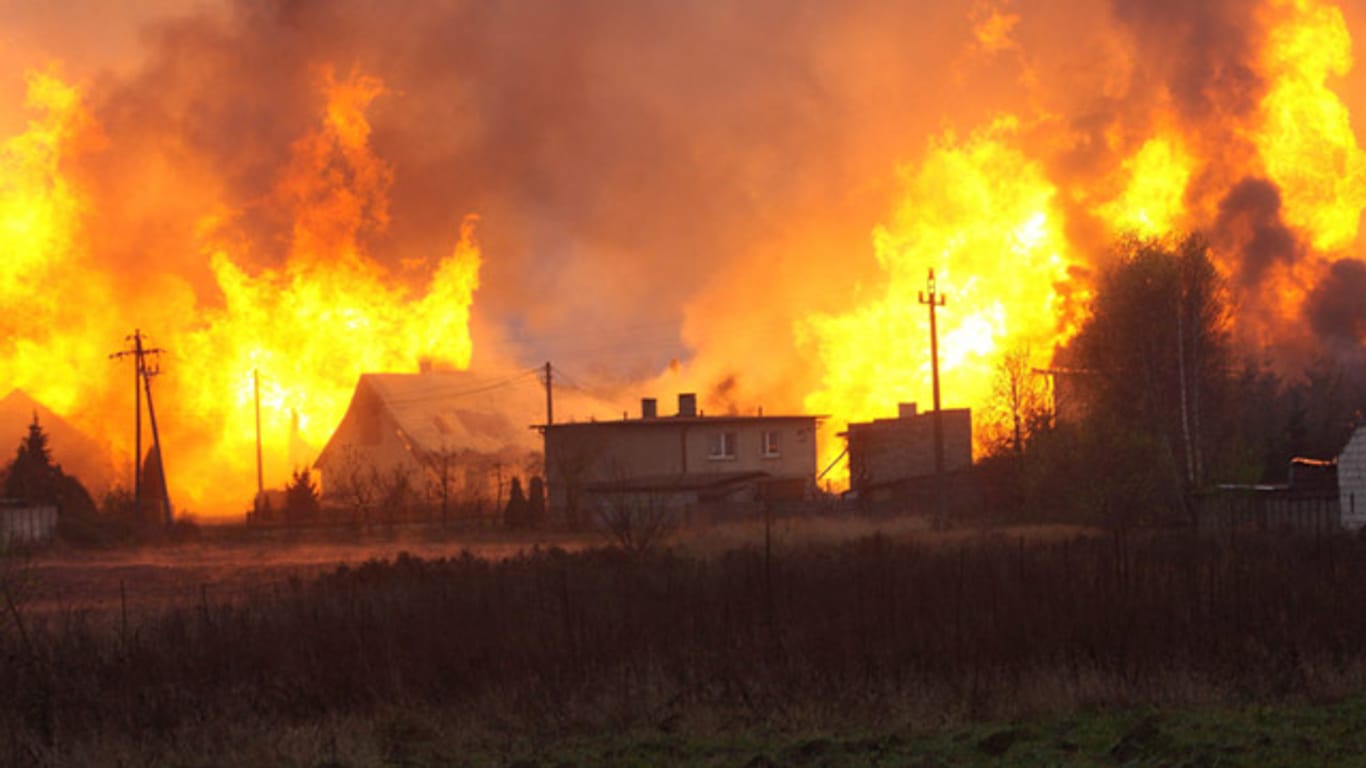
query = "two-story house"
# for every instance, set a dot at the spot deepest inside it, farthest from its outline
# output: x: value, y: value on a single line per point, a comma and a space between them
x: 682, y: 461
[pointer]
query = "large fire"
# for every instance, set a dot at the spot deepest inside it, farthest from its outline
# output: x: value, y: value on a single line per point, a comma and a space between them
x: 294, y: 256
x: 308, y: 329
x: 985, y: 217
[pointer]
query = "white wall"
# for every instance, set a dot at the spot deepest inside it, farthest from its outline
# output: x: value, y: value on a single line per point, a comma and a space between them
x: 27, y: 525
x: 1352, y: 481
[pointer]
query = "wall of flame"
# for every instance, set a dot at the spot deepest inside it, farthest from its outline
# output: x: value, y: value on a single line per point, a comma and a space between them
x: 741, y: 201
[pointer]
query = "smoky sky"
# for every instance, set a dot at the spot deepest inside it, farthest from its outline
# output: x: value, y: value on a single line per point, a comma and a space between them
x: 619, y: 155
x: 1250, y: 226
x: 1203, y: 52
x: 644, y: 167
x: 1336, y: 308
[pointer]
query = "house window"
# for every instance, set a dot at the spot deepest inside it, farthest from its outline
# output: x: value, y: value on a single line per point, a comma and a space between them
x: 769, y: 446
x: 722, y: 446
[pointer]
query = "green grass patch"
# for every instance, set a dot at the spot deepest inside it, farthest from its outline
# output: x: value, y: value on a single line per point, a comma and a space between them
x: 1287, y: 735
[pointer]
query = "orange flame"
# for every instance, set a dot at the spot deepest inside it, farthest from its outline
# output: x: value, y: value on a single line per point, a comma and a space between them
x: 983, y: 215
x: 1306, y: 137
x: 309, y: 327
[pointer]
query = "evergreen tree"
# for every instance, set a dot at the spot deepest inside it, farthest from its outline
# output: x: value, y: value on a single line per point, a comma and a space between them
x: 536, y: 502
x: 517, y: 511
x: 301, y: 497
x: 32, y: 476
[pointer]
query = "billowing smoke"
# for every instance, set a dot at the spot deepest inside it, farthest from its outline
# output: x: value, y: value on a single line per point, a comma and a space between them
x: 1203, y: 55
x: 1249, y: 225
x: 1336, y: 308
x: 622, y: 156
x: 668, y: 191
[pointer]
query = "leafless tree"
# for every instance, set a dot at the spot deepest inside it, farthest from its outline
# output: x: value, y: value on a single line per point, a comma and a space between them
x: 638, y: 521
x: 1019, y: 406
x: 441, y: 465
x: 356, y: 484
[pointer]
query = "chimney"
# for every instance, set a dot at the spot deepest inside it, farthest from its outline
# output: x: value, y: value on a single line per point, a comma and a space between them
x: 905, y: 410
x: 687, y: 405
x: 648, y: 409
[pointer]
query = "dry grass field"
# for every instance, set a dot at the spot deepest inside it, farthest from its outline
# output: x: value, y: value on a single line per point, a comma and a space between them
x: 719, y: 650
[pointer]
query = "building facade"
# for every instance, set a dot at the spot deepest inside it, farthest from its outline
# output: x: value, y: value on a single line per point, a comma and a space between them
x: 886, y: 452
x: 678, y: 461
x: 1351, y: 475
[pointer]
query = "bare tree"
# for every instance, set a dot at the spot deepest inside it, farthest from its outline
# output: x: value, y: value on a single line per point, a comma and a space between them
x: 395, y: 491
x: 638, y: 521
x: 356, y: 484
x: 1019, y: 403
x: 441, y: 465
x: 572, y: 467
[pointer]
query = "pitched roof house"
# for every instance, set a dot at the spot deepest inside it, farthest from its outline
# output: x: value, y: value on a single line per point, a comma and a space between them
x: 401, y: 425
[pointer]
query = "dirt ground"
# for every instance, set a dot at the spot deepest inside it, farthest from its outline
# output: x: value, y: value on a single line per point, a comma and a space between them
x: 228, y: 563
x: 223, y: 566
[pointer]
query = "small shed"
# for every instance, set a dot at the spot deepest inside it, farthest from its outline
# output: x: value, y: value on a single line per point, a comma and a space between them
x: 888, y: 456
x: 25, y: 524
x: 1352, y: 481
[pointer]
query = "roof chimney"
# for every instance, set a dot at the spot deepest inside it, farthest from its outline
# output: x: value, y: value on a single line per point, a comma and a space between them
x: 905, y: 410
x: 648, y: 409
x: 687, y: 405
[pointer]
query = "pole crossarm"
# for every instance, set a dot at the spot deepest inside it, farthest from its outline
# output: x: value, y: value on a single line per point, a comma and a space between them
x: 932, y: 298
x: 143, y: 371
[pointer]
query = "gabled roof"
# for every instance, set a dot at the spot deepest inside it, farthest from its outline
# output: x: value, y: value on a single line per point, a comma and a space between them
x: 441, y: 410
x: 78, y: 453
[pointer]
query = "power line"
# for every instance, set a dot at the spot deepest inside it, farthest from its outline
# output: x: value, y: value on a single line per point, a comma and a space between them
x: 434, y: 394
x: 570, y: 382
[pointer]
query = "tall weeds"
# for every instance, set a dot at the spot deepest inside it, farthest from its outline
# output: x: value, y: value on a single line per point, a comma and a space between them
x: 867, y: 632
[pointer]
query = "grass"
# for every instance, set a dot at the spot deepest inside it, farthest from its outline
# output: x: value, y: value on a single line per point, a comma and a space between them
x: 1327, y: 734
x: 891, y: 650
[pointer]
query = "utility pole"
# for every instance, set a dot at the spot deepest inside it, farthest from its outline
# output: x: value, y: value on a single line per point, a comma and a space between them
x: 549, y: 404
x: 147, y: 374
x: 260, y: 483
x: 934, y: 299
x: 139, y: 354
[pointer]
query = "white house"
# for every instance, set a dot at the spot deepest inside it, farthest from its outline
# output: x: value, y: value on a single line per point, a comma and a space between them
x: 1352, y: 481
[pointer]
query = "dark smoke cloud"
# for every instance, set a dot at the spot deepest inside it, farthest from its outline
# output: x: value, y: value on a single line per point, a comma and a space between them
x: 653, y: 174
x: 1202, y: 53
x: 1249, y: 224
x: 1336, y: 308
x: 622, y: 155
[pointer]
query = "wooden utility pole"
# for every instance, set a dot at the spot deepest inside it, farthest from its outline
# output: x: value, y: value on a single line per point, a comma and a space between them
x: 147, y: 374
x: 934, y: 299
x: 260, y: 482
x: 139, y: 354
x: 549, y: 404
